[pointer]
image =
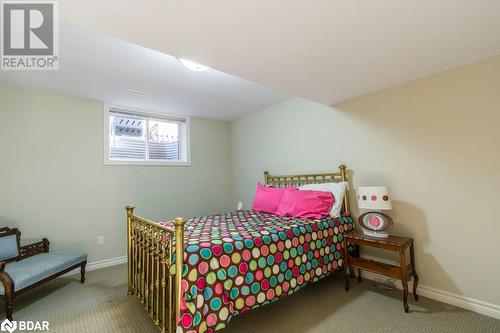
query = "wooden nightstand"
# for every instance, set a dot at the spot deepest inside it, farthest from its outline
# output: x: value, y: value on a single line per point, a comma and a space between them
x: 403, y: 272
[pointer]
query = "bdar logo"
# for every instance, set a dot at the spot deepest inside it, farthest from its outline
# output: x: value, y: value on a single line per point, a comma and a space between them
x: 8, y: 326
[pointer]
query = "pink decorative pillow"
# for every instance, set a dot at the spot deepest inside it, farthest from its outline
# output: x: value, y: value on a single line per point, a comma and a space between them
x: 267, y: 199
x: 306, y: 204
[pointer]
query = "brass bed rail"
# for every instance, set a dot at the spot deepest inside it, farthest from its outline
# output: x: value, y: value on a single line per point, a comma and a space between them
x: 154, y: 248
x: 151, y: 253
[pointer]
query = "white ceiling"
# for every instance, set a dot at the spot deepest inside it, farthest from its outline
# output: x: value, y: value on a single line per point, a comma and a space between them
x: 104, y: 68
x: 325, y: 50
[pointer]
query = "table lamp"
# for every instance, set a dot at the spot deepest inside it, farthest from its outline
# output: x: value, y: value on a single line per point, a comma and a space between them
x: 374, y: 198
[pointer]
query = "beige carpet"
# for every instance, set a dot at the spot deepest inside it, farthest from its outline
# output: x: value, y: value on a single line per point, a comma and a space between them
x: 101, y: 305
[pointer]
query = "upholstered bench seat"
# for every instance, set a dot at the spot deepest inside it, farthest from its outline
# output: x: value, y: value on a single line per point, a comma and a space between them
x: 31, y: 270
x: 25, y: 267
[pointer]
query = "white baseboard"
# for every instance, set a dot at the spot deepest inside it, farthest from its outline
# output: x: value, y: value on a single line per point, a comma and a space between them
x: 92, y: 266
x: 107, y: 263
x: 475, y: 305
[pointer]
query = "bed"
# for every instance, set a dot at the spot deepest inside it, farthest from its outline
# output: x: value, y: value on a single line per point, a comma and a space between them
x: 230, y: 263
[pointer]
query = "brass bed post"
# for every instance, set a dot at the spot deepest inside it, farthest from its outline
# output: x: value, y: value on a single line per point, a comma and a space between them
x: 179, y: 263
x: 266, y: 177
x: 130, y: 211
x: 343, y: 177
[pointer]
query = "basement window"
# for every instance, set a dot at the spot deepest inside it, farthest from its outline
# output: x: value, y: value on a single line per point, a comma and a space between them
x: 136, y: 137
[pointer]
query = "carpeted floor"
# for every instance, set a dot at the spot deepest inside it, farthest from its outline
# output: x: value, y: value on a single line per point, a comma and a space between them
x: 102, y: 305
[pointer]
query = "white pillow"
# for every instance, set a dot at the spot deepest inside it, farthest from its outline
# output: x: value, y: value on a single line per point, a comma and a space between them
x: 338, y: 191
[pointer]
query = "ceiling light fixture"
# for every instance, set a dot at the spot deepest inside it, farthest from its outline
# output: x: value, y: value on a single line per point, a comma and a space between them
x: 193, y: 66
x: 139, y: 93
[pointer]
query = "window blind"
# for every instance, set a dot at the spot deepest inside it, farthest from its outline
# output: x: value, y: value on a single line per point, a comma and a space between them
x: 138, y: 136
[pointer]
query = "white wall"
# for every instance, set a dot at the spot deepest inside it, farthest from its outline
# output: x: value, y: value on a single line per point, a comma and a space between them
x: 434, y: 142
x: 53, y: 182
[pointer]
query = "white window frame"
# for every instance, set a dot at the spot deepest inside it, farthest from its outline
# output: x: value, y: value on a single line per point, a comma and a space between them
x: 184, y: 138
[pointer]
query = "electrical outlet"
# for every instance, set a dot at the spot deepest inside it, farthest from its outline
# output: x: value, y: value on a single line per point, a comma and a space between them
x: 100, y: 240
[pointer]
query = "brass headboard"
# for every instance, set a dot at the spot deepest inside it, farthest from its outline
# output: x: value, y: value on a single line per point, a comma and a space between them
x: 297, y: 180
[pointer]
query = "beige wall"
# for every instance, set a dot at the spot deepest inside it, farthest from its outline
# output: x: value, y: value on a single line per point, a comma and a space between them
x: 434, y: 142
x: 53, y: 181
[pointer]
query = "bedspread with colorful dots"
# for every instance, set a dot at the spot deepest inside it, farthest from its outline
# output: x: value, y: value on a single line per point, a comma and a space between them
x: 241, y: 260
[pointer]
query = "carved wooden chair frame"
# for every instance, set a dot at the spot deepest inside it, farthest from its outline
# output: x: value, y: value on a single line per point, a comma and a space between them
x: 23, y: 253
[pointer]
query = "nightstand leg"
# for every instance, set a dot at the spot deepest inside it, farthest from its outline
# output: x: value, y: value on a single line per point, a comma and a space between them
x: 346, y: 276
x: 359, y: 275
x: 415, y: 283
x: 414, y: 272
x: 404, y: 279
x: 405, y: 295
x: 346, y: 266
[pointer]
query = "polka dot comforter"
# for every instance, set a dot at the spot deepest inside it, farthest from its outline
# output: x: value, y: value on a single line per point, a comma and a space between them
x: 241, y: 260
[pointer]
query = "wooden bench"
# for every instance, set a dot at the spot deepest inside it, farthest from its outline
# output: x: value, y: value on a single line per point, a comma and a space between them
x: 25, y: 267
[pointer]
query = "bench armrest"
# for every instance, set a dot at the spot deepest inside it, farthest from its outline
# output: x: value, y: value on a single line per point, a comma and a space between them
x: 6, y: 280
x: 34, y: 249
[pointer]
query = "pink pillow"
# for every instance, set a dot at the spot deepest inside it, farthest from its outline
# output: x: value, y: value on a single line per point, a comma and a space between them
x: 268, y: 199
x: 306, y: 204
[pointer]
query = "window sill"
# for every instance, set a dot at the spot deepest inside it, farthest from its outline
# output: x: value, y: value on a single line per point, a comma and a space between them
x: 149, y: 163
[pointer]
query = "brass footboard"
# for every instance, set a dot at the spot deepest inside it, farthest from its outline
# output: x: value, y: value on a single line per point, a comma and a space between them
x: 151, y: 252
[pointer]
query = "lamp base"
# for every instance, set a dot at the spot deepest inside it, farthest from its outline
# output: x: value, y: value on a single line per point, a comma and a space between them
x: 375, y: 234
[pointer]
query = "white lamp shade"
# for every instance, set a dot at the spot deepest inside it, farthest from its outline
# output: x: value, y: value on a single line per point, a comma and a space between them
x: 374, y: 197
